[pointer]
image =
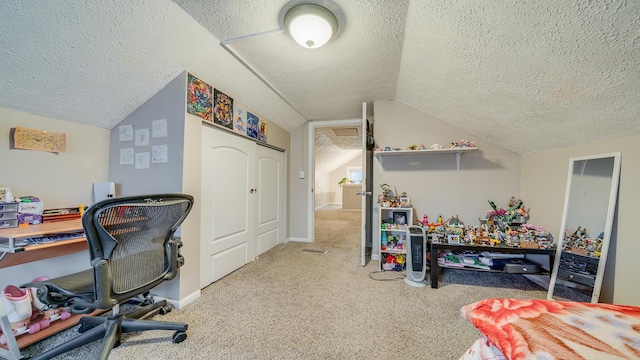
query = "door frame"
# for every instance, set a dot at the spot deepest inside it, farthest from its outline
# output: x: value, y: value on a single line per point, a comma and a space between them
x: 312, y: 166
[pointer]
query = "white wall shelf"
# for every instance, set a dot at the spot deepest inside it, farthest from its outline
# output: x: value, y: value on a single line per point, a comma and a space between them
x: 458, y: 151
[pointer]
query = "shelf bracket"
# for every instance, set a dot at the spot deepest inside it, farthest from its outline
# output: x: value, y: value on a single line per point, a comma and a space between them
x: 458, y: 161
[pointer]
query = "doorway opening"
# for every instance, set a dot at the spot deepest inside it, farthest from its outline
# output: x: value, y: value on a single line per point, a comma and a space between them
x: 335, y: 158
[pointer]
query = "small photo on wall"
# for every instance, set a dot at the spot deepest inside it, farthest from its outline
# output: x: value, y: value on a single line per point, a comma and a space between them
x: 199, y: 98
x: 240, y: 120
x: 262, y: 129
x: 252, y: 125
x: 222, y: 109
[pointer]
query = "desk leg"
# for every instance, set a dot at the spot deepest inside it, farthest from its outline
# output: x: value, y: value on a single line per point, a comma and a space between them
x: 434, y: 269
x: 12, y: 344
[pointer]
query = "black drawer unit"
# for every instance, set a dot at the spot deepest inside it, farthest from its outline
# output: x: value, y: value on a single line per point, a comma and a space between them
x: 578, y: 268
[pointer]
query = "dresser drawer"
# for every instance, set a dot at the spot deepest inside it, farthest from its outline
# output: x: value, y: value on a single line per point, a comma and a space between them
x: 8, y: 215
x: 4, y: 224
x: 575, y: 277
x: 8, y: 207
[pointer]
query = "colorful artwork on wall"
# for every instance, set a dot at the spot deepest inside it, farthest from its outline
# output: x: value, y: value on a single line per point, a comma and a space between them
x: 239, y: 120
x: 252, y: 125
x: 39, y: 140
x: 262, y: 129
x: 199, y: 98
x: 222, y: 109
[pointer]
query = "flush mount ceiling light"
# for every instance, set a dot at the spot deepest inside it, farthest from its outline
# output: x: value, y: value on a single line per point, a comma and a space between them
x: 310, y: 25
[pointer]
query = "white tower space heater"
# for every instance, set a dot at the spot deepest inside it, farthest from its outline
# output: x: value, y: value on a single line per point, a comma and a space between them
x: 416, y: 256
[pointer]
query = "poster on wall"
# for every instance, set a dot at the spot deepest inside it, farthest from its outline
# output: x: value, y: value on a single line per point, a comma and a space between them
x: 38, y: 140
x: 252, y: 125
x: 222, y: 109
x: 239, y: 120
x: 199, y: 98
x: 262, y: 129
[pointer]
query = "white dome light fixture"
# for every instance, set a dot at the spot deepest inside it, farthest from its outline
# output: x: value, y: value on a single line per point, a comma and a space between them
x: 310, y: 25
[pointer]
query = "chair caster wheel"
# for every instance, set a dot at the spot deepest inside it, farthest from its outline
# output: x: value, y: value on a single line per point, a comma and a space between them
x: 179, y: 336
x: 84, y: 328
x: 165, y: 309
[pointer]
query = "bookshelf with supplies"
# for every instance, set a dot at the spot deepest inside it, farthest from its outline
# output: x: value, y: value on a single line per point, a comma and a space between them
x: 393, y: 225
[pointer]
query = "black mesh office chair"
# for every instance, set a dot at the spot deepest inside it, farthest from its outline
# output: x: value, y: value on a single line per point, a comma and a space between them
x: 132, y: 250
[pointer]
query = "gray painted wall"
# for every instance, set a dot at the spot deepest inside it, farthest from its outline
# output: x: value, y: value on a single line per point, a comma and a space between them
x: 167, y: 104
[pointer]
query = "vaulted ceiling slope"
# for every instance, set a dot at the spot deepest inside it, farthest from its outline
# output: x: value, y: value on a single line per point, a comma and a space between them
x: 526, y: 75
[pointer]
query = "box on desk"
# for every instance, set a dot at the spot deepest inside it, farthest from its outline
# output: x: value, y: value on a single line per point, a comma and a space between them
x: 29, y: 210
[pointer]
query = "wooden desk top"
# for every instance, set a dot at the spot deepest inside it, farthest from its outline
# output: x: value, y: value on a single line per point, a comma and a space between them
x: 40, y: 229
x: 42, y: 251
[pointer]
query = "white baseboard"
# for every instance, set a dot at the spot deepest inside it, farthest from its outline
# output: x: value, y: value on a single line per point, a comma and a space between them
x: 327, y: 204
x: 300, y: 240
x: 183, y: 302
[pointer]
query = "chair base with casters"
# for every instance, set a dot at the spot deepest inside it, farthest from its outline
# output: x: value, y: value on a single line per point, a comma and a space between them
x: 132, y: 249
x: 109, y: 328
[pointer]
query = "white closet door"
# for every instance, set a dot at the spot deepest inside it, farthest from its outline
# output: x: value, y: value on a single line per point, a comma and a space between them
x: 228, y: 232
x: 270, y: 194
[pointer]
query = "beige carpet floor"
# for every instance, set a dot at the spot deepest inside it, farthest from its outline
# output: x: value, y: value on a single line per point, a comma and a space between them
x: 292, y: 303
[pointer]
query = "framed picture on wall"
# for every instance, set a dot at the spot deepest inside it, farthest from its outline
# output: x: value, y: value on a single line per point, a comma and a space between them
x: 222, y: 109
x: 400, y: 217
x: 199, y: 98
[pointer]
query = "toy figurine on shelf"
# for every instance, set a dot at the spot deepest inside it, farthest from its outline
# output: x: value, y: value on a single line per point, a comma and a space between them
x: 463, y: 144
x: 515, y: 213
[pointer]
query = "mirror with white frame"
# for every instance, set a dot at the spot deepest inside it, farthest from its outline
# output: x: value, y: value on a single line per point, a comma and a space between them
x: 585, y: 230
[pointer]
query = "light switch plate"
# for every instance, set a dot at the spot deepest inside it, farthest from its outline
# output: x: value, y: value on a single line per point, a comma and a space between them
x: 301, y: 175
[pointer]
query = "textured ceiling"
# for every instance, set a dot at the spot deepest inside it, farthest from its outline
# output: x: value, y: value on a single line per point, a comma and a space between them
x: 526, y: 75
x: 332, y: 151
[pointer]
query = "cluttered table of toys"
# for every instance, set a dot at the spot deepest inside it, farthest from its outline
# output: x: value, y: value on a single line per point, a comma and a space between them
x: 499, y: 243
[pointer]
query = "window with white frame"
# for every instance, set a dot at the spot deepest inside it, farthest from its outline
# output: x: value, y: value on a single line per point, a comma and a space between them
x: 354, y: 174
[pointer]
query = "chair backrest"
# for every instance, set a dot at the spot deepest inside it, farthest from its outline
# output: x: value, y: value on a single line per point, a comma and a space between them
x: 131, y: 243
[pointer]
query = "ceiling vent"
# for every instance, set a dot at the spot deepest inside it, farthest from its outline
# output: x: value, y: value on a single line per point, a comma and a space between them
x: 346, y: 131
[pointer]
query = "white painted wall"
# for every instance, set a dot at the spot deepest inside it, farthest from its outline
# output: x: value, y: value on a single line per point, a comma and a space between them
x: 338, y: 174
x: 59, y: 180
x: 543, y: 182
x: 322, y: 190
x: 298, y: 188
x: 431, y: 181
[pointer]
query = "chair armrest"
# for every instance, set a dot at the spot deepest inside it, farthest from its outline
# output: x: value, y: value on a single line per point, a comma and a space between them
x: 177, y: 260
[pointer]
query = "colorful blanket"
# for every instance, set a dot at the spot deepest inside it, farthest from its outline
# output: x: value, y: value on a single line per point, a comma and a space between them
x: 546, y: 329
